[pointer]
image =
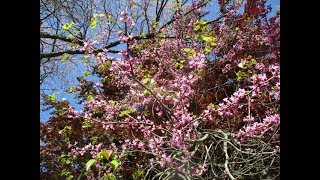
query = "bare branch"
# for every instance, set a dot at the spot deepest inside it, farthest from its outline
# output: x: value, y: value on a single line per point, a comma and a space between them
x: 62, y: 38
x: 225, y: 149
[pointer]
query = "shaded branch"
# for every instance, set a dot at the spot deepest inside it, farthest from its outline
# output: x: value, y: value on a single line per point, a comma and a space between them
x: 51, y: 36
x: 113, y: 44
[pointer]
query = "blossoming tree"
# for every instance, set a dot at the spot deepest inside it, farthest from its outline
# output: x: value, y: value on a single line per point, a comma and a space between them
x: 193, y: 99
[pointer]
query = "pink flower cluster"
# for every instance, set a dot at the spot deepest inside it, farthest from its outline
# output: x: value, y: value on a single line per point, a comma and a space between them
x: 72, y: 113
x: 88, y: 46
x: 197, y: 61
x: 254, y: 129
x: 127, y: 19
x: 231, y: 105
x: 92, y: 149
x: 124, y: 39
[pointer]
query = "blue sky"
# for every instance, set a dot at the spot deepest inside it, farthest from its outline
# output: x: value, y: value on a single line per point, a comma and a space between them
x: 44, y: 115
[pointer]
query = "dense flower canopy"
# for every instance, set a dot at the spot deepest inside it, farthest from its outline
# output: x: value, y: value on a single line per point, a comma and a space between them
x: 195, y: 100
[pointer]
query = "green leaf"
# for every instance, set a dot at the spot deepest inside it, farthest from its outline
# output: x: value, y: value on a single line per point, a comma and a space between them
x: 94, y: 140
x: 115, y: 164
x: 67, y: 26
x: 65, y: 57
x: 143, y: 35
x: 109, y: 176
x: 126, y: 112
x: 202, y: 22
x: 86, y: 124
x: 187, y: 50
x: 90, y: 163
x: 93, y: 24
x: 115, y: 157
x: 52, y: 97
x: 65, y: 172
x: 66, y: 130
x: 105, y: 153
x: 145, y: 91
x: 84, y: 58
x: 102, y: 67
x: 64, y: 159
x: 109, y: 19
x: 239, y: 75
x: 70, y: 90
x: 154, y: 24
x: 86, y: 73
x: 70, y: 177
x: 176, y: 64
x: 254, y: 61
x: 209, y: 39
x: 179, y: 64
x: 138, y: 174
x: 109, y: 63
x: 89, y: 98
x: 211, y: 105
x: 207, y: 49
x: 214, y: 43
x: 74, y: 45
x: 122, y: 113
x: 146, y: 81
x: 197, y: 27
x: 70, y: 36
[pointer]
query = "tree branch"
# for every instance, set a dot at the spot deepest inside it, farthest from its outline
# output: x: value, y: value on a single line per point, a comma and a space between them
x: 51, y: 36
x: 173, y: 18
x: 225, y: 149
x: 155, y: 96
x: 113, y: 44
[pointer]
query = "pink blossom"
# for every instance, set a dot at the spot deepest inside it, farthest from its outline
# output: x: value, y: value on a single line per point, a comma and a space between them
x: 248, y: 119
